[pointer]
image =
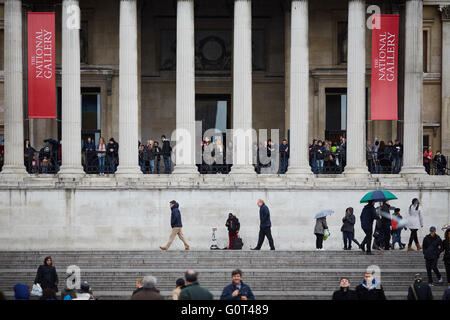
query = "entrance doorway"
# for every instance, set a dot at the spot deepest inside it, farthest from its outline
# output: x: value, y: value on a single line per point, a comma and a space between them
x: 214, y: 112
x: 90, y: 114
x: 335, y: 113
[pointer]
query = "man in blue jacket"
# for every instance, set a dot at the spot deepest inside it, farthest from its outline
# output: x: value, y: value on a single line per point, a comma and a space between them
x: 368, y: 216
x: 264, y: 227
x: 237, y: 290
x: 175, y: 222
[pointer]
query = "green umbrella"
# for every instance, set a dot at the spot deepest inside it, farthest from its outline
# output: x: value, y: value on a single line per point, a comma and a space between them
x: 378, y: 196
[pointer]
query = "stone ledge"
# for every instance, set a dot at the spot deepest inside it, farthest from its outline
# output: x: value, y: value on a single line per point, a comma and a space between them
x: 212, y: 182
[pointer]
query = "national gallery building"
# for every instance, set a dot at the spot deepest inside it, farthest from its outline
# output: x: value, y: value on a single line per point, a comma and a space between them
x: 135, y: 70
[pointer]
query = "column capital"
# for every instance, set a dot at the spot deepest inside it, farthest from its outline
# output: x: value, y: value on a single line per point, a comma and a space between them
x: 445, y: 12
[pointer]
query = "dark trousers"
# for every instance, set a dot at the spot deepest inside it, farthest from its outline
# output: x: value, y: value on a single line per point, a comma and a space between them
x: 231, y: 237
x: 413, y: 237
x: 348, y: 238
x: 447, y: 270
x: 387, y: 239
x: 431, y: 264
x: 265, y: 232
x: 166, y: 164
x: 367, y: 240
x: 319, y: 240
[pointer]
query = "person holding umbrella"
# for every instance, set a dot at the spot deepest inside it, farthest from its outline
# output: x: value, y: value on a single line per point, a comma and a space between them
x: 369, y: 215
x: 320, y: 227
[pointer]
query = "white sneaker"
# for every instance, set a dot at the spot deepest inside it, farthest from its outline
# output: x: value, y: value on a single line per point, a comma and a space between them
x: 441, y: 280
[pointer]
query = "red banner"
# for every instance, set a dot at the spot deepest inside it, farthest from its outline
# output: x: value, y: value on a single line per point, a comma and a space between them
x: 41, y: 65
x: 384, y: 85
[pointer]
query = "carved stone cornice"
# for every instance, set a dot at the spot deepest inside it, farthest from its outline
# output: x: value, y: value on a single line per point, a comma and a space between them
x: 445, y: 12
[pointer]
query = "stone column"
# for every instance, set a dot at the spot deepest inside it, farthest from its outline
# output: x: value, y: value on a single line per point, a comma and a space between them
x: 185, y: 90
x: 356, y: 89
x: 413, y: 128
x: 71, y: 91
x: 242, y: 88
x: 287, y: 71
x: 445, y: 118
x: 299, y: 90
x: 13, y: 162
x: 128, y: 91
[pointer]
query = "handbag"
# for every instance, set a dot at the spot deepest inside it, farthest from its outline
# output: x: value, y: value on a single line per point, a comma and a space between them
x: 36, y: 290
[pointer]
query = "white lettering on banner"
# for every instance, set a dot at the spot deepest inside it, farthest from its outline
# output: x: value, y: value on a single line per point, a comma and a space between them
x: 385, y: 62
x: 43, y: 54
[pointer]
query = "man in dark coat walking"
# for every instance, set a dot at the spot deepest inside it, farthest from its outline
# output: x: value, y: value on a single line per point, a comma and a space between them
x: 175, y: 222
x: 237, y: 290
x: 368, y: 290
x: 233, y: 226
x: 344, y: 292
x: 148, y: 291
x: 264, y: 227
x: 368, y: 216
x: 386, y: 225
x: 419, y: 290
x: 432, y: 248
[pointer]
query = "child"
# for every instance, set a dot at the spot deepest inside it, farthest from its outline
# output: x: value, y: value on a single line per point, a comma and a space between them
x: 396, y: 230
x: 44, y: 165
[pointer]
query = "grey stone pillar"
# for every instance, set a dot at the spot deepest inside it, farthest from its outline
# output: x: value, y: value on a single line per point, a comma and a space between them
x: 413, y: 128
x: 71, y: 91
x: 13, y: 116
x: 299, y: 90
x: 242, y: 89
x: 185, y: 90
x: 356, y: 89
x: 128, y: 91
x: 445, y: 118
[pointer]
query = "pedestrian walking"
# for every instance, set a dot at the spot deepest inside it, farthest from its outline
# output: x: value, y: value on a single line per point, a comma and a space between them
x: 419, y: 290
x: 319, y: 231
x: 180, y: 284
x: 385, y: 212
x: 397, y: 229
x: 175, y: 222
x: 446, y: 247
x: 368, y: 216
x: 46, y: 275
x: 237, y: 290
x: 432, y: 248
x: 348, y: 229
x: 149, y: 290
x: 344, y: 292
x: 193, y: 290
x: 265, y: 226
x: 368, y: 289
x: 415, y: 222
x: 233, y: 226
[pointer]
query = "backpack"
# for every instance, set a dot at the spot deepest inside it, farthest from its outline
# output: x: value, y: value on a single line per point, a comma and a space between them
x: 237, y: 244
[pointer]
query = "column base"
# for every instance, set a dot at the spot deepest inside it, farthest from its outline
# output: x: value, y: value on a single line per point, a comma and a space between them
x: 299, y: 172
x: 356, y: 172
x: 128, y: 172
x: 243, y: 170
x: 186, y: 170
x: 417, y: 170
x: 13, y: 173
x: 72, y: 173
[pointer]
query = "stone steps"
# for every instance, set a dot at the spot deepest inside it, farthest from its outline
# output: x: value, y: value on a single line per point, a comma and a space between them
x: 272, y: 275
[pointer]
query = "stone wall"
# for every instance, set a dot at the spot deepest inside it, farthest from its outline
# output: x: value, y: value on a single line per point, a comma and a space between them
x: 105, y: 213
